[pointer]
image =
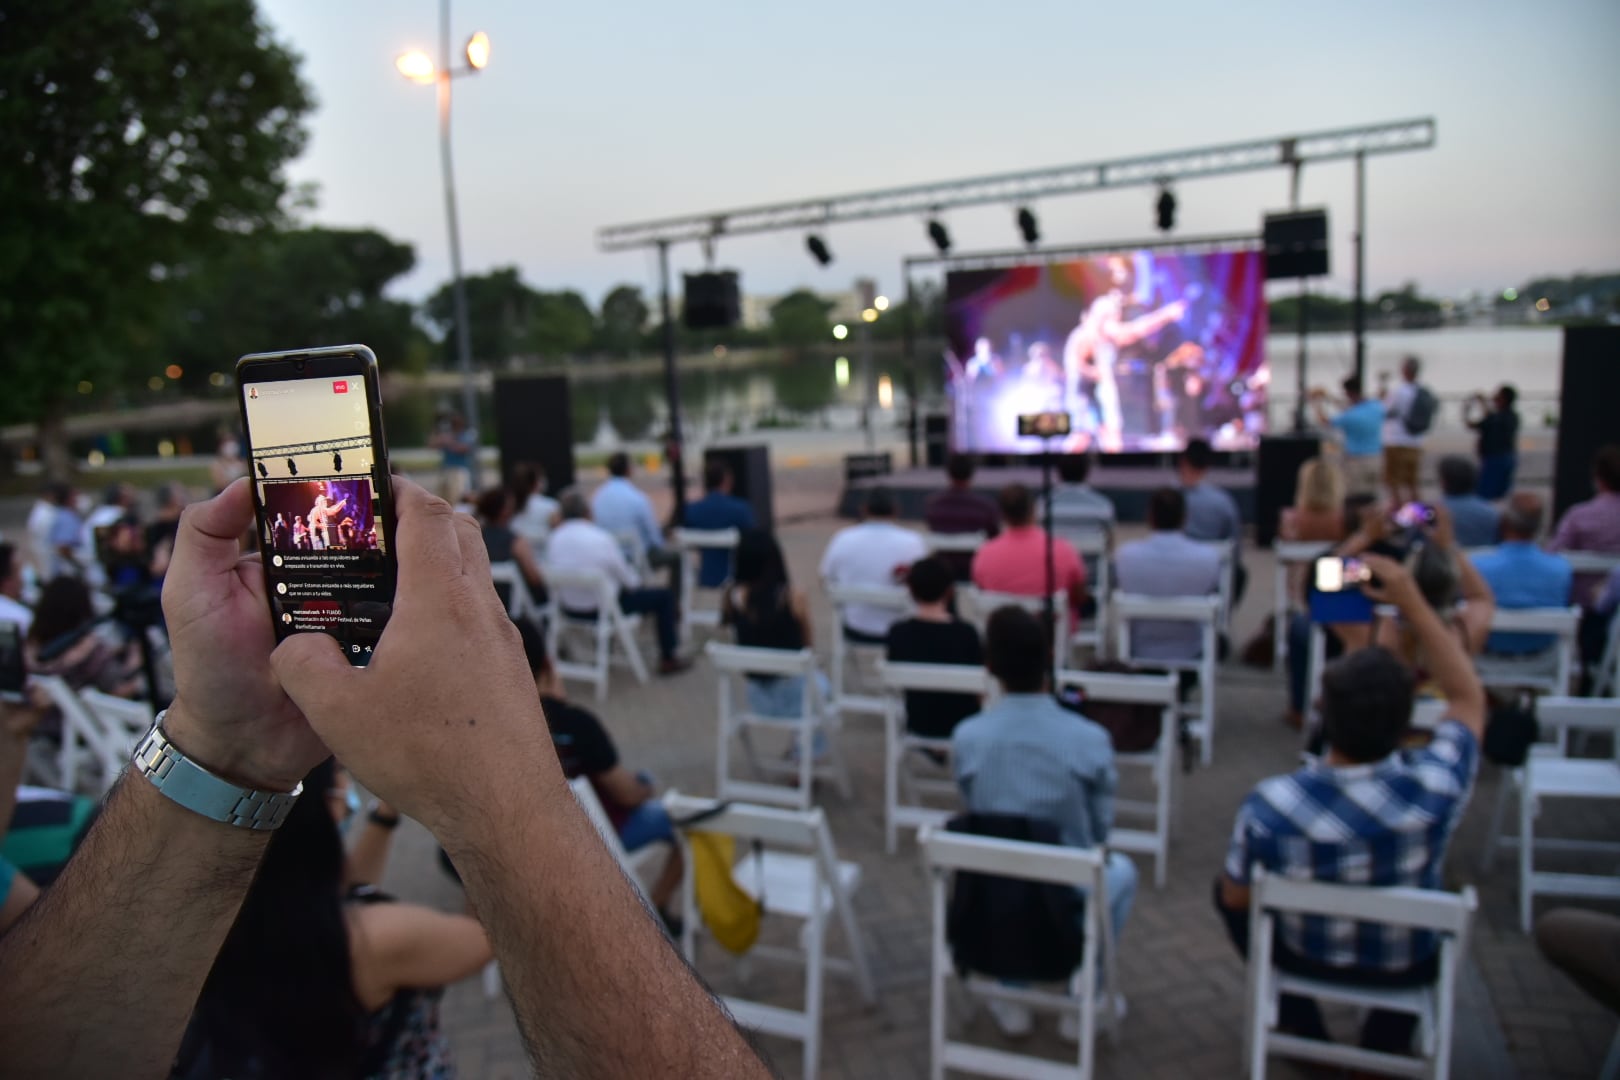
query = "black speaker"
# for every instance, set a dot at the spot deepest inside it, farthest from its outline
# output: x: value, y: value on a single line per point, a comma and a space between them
x: 535, y: 422
x: 1296, y: 244
x: 1586, y: 410
x: 712, y: 301
x: 751, y: 478
x: 936, y: 439
x: 1276, y: 473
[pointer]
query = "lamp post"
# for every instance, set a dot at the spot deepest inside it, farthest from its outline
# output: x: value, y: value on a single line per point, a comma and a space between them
x: 418, y: 67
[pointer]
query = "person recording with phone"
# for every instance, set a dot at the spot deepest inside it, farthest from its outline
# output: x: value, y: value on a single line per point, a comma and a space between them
x: 99, y: 978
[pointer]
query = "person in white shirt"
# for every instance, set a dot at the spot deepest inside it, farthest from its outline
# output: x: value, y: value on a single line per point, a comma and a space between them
x: 41, y: 520
x: 1167, y: 564
x: 578, y: 543
x: 1403, y: 451
x: 12, y: 609
x: 875, y: 552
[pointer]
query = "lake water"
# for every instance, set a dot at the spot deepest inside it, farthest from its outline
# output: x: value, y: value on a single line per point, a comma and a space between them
x: 808, y: 390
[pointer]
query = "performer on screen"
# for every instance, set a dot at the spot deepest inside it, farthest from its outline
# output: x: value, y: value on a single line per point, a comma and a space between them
x: 320, y: 520
x: 280, y: 535
x: 984, y: 363
x: 1125, y: 327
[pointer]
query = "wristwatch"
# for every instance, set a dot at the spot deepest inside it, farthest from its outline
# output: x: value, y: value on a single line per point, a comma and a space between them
x: 200, y: 791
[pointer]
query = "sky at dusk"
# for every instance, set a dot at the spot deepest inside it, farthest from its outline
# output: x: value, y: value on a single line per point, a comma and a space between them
x: 599, y: 114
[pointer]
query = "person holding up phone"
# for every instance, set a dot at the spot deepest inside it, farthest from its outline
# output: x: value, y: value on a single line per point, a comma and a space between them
x: 100, y: 977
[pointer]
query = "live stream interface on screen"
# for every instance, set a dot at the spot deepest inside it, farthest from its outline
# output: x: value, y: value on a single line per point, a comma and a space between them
x: 1143, y: 350
x: 323, y: 523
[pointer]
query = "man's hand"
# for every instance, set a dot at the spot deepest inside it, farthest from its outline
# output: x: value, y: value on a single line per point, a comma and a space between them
x: 229, y: 712
x: 1443, y: 532
x: 1374, y: 523
x: 447, y: 705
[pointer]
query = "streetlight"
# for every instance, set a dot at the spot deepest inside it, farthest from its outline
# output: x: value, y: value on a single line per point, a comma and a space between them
x: 418, y: 67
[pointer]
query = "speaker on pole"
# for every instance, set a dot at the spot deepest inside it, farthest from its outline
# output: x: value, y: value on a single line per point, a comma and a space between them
x: 1585, y: 409
x: 713, y: 301
x: 750, y: 478
x: 1276, y: 472
x: 1296, y: 244
x: 534, y: 422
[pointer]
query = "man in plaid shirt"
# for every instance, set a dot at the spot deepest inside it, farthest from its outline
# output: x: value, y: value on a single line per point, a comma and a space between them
x: 1366, y: 813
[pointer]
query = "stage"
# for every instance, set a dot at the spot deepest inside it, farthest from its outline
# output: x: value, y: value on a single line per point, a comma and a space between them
x: 1127, y: 485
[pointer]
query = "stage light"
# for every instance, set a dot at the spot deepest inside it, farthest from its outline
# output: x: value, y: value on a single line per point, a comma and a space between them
x: 1029, y: 226
x: 264, y: 472
x: 840, y: 331
x: 1165, y: 209
x: 292, y: 467
x: 940, y: 236
x: 881, y: 303
x: 415, y: 66
x: 818, y: 249
x: 478, y: 51
x: 337, y: 461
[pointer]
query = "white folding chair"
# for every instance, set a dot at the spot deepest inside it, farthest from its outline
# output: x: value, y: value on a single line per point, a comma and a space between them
x: 977, y: 605
x: 635, y: 551
x: 954, y: 543
x: 1550, y: 671
x: 607, y: 626
x: 948, y: 853
x: 846, y: 654
x: 805, y: 882
x: 1606, y: 680
x: 1200, y: 611
x: 900, y: 743
x: 1228, y: 579
x: 99, y: 739
x: 1092, y: 540
x: 1447, y: 915
x: 1289, y: 554
x: 692, y: 545
x: 519, y: 601
x: 735, y: 665
x: 1160, y: 690
x: 1549, y: 774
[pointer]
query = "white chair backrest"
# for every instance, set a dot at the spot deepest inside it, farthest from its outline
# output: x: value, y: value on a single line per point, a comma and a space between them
x: 1427, y: 715
x: 1193, y: 609
x: 746, y: 660
x: 1018, y: 859
x: 579, y: 578
x: 120, y: 717
x: 1301, y: 551
x: 893, y: 597
x: 1592, y: 562
x: 1561, y: 622
x: 707, y: 539
x: 958, y: 542
x: 1564, y: 714
x: 979, y: 604
x: 1088, y: 540
x: 939, y: 678
x: 519, y: 602
x: 802, y: 830
x: 1418, y: 909
x: 588, y: 801
x: 1110, y: 686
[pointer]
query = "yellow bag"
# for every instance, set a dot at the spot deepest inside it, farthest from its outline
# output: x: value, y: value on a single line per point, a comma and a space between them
x: 731, y: 915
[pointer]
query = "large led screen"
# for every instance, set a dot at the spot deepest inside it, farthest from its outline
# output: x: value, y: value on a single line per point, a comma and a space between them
x: 1144, y: 350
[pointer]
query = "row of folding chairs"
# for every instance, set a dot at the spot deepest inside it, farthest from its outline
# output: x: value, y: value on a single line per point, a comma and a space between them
x: 98, y: 734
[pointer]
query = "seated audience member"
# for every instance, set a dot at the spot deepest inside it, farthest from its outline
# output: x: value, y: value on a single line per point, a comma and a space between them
x: 1593, y: 525
x: 1521, y: 575
x: 1476, y: 521
x: 959, y: 509
x: 1015, y: 561
x: 1026, y: 755
x: 1212, y: 513
x: 67, y: 546
x: 876, y: 552
x: 625, y: 511
x: 65, y: 639
x: 503, y: 542
x: 765, y: 611
x: 718, y: 509
x: 160, y: 531
x: 12, y: 609
x: 584, y: 748
x: 319, y: 980
x: 581, y: 544
x: 1076, y: 502
x: 1318, y: 510
x: 533, y: 512
x: 1366, y: 813
x: 1167, y: 564
x: 932, y: 635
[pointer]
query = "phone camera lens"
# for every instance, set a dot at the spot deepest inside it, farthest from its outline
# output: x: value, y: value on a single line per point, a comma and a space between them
x: 298, y: 365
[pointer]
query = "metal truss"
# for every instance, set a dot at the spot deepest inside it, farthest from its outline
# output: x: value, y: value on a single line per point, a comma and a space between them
x: 1291, y: 151
x: 1008, y: 257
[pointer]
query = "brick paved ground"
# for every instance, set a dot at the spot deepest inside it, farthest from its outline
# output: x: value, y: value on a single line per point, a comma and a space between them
x: 1183, y: 981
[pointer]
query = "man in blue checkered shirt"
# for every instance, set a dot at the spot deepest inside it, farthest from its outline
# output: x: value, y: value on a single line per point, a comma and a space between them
x: 1366, y: 813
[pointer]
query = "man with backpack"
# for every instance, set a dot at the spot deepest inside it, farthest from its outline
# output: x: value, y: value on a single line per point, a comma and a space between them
x: 1409, y: 414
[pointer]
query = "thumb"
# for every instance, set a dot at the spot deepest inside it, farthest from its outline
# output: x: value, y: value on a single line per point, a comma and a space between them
x: 312, y: 672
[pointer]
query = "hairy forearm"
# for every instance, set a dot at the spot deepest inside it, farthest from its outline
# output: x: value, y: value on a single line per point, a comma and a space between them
x: 101, y: 976
x: 576, y: 944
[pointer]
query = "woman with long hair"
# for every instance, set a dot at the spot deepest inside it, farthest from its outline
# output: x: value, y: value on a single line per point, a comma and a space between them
x: 65, y: 640
x: 765, y: 611
x: 313, y: 982
x: 506, y: 544
x: 1318, y: 510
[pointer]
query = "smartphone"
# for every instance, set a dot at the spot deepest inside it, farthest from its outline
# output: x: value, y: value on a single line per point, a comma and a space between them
x: 13, y: 668
x: 1336, y: 596
x: 1334, y: 574
x: 1414, y: 515
x: 321, y: 490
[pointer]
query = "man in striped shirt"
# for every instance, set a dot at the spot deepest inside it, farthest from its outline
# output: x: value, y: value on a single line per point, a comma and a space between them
x: 1366, y: 813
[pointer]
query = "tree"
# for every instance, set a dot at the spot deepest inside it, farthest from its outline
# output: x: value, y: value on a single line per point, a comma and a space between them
x: 137, y: 135
x: 312, y: 286
x: 800, y: 319
x: 561, y: 325
x: 500, y: 307
x: 623, y: 318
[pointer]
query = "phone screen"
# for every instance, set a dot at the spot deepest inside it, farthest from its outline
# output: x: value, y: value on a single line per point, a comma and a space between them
x: 1334, y: 574
x: 13, y: 672
x: 1414, y: 514
x: 320, y: 474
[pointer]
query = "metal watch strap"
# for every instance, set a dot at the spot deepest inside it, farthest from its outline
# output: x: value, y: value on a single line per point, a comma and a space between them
x: 200, y: 791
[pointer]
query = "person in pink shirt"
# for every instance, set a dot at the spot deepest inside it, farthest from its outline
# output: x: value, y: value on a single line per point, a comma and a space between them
x: 1593, y: 525
x: 1015, y: 561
